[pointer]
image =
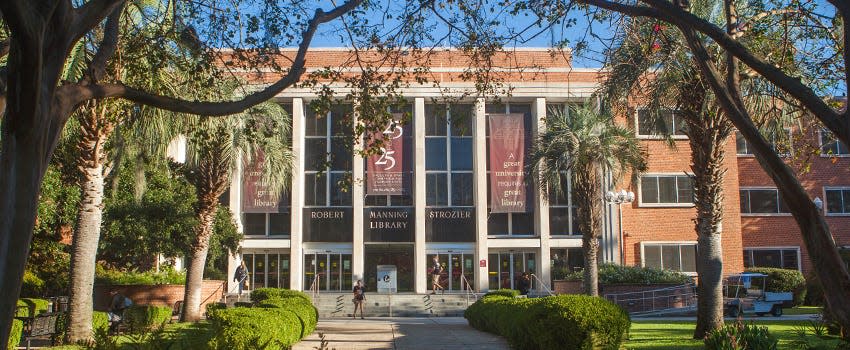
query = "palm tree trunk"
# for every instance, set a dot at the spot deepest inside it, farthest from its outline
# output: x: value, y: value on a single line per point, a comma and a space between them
x: 588, y: 191
x: 84, y: 254
x: 195, y: 268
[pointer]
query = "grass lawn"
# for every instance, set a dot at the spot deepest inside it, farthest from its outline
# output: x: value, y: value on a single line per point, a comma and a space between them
x: 677, y: 334
x: 803, y: 310
x: 178, y: 336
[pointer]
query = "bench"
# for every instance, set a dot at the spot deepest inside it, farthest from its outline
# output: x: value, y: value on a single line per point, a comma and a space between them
x: 40, y: 327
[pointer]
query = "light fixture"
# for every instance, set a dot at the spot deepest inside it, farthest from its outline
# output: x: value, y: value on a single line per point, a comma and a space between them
x: 619, y: 198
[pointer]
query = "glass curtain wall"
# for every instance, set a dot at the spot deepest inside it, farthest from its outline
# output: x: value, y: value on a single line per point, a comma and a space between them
x: 327, y: 272
x: 456, y: 267
x: 505, y: 268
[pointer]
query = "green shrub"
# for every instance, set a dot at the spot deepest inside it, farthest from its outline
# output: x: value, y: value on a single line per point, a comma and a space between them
x: 741, y: 336
x: 32, y: 284
x: 583, y: 322
x: 15, y: 334
x: 784, y: 280
x: 306, y: 312
x: 260, y: 294
x: 99, y: 320
x: 509, y: 293
x: 142, y: 318
x: 246, y: 328
x: 211, y: 308
x: 34, y: 306
x: 619, y: 274
x: 115, y: 277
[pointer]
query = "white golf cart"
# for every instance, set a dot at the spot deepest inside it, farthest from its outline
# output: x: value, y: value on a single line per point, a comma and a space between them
x: 745, y: 294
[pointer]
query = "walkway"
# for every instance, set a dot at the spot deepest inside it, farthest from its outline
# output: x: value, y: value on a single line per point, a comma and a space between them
x: 401, y: 333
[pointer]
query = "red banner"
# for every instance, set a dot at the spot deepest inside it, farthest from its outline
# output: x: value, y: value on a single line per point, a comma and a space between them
x: 386, y: 169
x: 507, y: 163
x: 256, y: 196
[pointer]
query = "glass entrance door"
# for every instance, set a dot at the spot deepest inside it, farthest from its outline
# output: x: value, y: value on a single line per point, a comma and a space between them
x: 330, y: 271
x: 455, y: 265
x: 506, y: 267
x: 267, y: 270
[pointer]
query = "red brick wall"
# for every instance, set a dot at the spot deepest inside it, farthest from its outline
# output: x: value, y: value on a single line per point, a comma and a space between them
x: 782, y: 230
x: 158, y: 295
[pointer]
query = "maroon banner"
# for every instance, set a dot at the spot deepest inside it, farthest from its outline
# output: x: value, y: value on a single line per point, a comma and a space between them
x: 256, y: 196
x: 386, y: 169
x: 507, y: 163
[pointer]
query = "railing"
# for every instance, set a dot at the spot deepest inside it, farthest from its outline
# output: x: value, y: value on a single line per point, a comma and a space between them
x: 656, y: 300
x: 549, y: 291
x: 314, y: 287
x: 467, y: 288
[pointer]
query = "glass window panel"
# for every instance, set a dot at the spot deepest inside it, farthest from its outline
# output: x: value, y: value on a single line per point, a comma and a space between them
x: 670, y: 257
x: 401, y: 201
x: 279, y: 224
x: 652, y: 256
x: 846, y: 197
x: 667, y: 120
x: 341, y: 120
x: 834, y: 201
x: 680, y: 124
x: 789, y: 259
x: 741, y: 144
x: 340, y: 193
x: 341, y: 156
x: 436, y: 189
x: 495, y: 108
x: 667, y: 189
x: 576, y: 221
x: 689, y: 257
x: 497, y: 224
x: 767, y: 258
x: 316, y: 124
x: 559, y: 221
x: 685, y: 189
x: 435, y: 120
x: 315, y: 154
x: 254, y: 223
x: 376, y: 201
x: 745, y: 201
x: 763, y: 201
x: 435, y: 153
x: 461, y: 153
x: 646, y: 123
x: 522, y: 224
x: 520, y: 108
x: 783, y: 208
x: 462, y: 117
x: 462, y: 189
x: 315, y: 187
x: 649, y: 189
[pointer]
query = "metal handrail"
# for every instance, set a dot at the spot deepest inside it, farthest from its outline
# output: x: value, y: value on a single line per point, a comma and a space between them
x: 467, y: 288
x: 549, y: 291
x: 314, y: 287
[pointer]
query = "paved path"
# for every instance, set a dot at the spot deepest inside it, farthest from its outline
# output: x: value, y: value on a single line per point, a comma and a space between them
x: 401, y: 333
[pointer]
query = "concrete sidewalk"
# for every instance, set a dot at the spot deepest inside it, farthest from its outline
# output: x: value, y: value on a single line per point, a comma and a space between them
x: 430, y: 333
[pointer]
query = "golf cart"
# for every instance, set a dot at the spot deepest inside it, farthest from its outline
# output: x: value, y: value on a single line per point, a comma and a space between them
x: 746, y: 294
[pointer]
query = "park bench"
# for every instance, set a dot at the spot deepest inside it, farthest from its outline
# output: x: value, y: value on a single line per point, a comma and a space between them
x: 40, y: 327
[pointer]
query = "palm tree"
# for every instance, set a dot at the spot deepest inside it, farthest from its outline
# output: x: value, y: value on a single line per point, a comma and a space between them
x: 216, y: 147
x: 587, y: 144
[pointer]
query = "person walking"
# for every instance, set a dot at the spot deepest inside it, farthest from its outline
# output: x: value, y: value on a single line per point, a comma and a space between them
x: 436, y: 271
x: 241, y: 276
x: 524, y: 283
x: 359, y: 291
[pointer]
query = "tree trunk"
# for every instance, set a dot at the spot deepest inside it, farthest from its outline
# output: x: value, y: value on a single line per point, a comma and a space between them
x: 94, y: 130
x: 84, y: 254
x: 588, y: 193
x: 195, y: 268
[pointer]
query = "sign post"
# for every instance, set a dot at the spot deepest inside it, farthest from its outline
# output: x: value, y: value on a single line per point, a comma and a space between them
x: 387, y: 282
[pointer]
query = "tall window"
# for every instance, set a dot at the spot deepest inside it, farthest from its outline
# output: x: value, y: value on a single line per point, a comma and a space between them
x: 666, y: 190
x: 829, y: 146
x: 783, y: 258
x: 267, y: 224
x: 563, y: 218
x: 327, y: 157
x: 512, y: 224
x: 762, y: 201
x: 667, y: 122
x: 781, y: 144
x: 670, y: 256
x: 448, y: 155
x: 837, y: 200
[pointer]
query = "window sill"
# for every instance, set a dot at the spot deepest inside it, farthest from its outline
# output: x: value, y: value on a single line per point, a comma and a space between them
x: 268, y: 236
x: 665, y: 205
x: 837, y: 214
x: 660, y: 138
x: 512, y: 236
x: 766, y: 214
x: 565, y: 236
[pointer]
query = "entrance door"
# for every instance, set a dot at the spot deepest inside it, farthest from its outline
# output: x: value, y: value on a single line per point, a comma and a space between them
x: 399, y: 255
x: 455, y: 265
x: 506, y: 267
x: 331, y: 271
x: 267, y: 270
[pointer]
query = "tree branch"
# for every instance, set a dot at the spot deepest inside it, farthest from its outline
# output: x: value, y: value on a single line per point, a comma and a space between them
x: 80, y: 93
x: 631, y: 10
x: 97, y: 67
x: 89, y: 15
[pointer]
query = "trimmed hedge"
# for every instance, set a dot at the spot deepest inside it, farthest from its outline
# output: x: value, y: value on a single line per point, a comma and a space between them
x: 619, y: 274
x: 784, y: 280
x: 15, y: 334
x: 36, y: 306
x: 142, y: 318
x: 280, y: 319
x: 583, y: 322
x: 509, y: 293
x: 116, y: 277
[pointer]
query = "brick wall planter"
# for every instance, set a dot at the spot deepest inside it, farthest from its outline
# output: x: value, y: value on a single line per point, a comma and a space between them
x: 158, y: 295
x: 567, y: 287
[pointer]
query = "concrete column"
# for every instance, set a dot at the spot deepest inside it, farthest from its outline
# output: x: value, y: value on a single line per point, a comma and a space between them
x: 296, y: 256
x: 419, y: 261
x: 479, y: 185
x: 541, y: 207
x: 235, y: 205
x: 358, y: 257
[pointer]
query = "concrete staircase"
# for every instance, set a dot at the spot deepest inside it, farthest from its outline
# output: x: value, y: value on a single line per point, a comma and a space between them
x: 396, y: 305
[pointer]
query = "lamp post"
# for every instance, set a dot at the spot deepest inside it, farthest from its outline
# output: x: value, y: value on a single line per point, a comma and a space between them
x: 619, y: 198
